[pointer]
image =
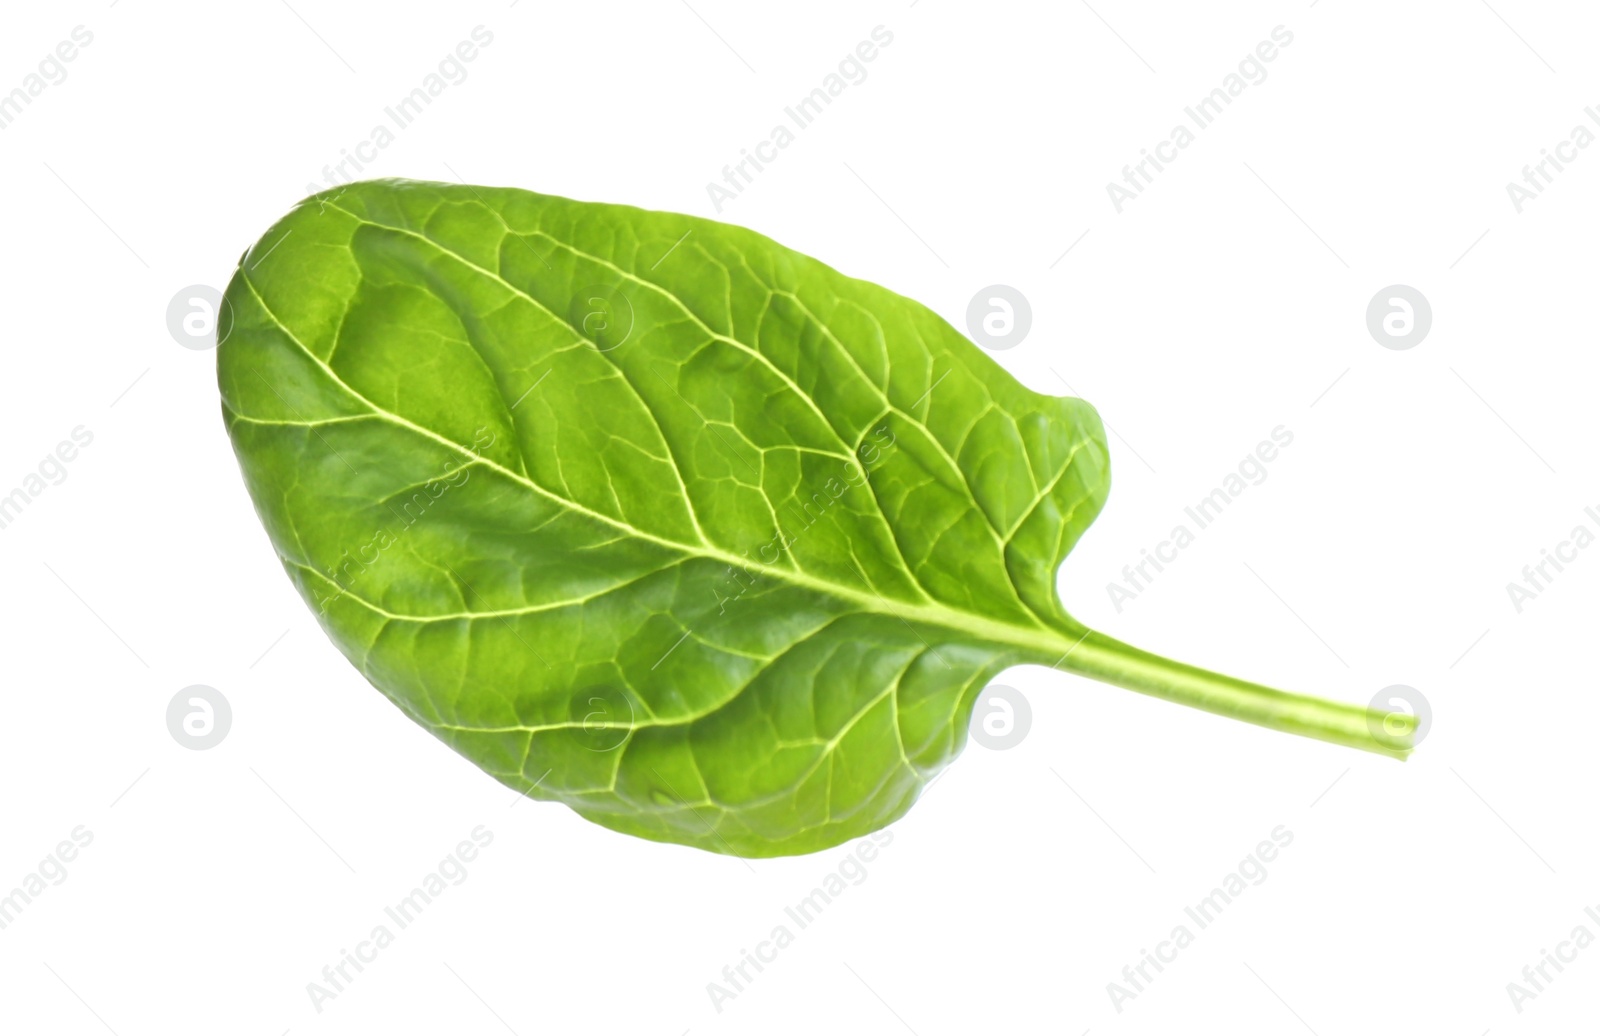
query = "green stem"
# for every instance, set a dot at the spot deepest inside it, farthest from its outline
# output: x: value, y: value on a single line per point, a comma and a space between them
x: 1373, y: 730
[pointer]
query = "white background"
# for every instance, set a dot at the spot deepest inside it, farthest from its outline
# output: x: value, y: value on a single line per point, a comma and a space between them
x: 1223, y: 302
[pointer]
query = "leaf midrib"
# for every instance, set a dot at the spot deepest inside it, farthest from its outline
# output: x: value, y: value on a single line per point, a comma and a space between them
x: 1041, y: 640
x: 1001, y: 541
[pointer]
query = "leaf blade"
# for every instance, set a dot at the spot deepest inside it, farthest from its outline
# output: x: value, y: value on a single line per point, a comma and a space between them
x: 710, y: 542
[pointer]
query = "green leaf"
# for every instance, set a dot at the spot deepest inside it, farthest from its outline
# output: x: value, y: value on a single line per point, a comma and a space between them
x: 655, y: 517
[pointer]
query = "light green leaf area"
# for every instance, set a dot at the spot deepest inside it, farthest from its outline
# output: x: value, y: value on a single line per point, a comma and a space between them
x: 655, y: 517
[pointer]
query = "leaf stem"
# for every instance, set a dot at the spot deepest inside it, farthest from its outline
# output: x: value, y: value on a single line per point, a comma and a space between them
x: 1373, y: 730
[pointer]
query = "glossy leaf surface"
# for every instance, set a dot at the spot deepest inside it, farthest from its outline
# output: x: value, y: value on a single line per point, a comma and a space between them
x: 655, y: 517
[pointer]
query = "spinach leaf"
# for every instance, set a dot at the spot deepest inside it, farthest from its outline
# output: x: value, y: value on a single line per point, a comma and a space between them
x: 655, y: 517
